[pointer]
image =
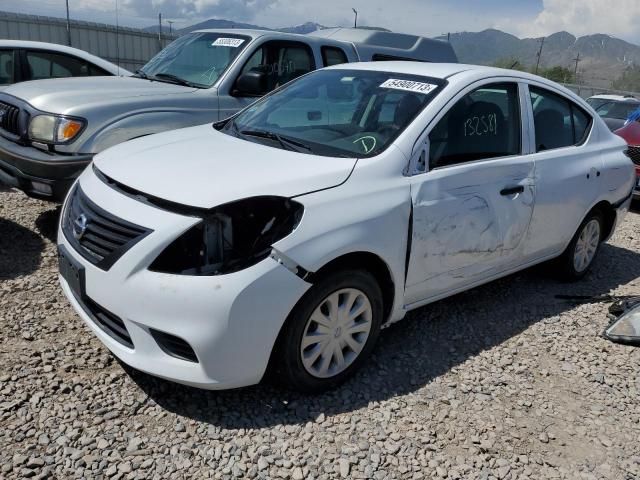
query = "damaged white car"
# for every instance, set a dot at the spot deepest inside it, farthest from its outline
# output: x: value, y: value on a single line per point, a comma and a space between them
x: 284, y: 238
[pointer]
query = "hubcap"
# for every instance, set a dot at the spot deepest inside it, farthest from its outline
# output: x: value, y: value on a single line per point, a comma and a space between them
x: 586, y: 246
x: 336, y: 333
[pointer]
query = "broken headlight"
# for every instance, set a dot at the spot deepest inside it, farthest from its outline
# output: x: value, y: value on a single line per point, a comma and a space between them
x: 231, y: 237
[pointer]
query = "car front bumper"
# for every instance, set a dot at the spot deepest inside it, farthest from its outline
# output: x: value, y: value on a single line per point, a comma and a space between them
x: 230, y: 321
x: 39, y: 174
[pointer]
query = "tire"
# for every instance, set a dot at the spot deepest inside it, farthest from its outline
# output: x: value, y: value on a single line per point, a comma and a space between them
x: 568, y: 267
x: 295, y: 366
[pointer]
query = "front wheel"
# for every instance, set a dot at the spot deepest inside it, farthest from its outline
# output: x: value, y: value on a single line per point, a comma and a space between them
x: 574, y: 263
x: 331, y: 331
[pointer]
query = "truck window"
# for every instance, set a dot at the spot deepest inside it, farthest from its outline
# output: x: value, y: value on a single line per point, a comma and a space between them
x: 333, y: 56
x: 281, y: 62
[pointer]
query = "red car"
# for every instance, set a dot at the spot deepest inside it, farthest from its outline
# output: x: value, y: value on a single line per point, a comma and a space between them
x: 631, y: 133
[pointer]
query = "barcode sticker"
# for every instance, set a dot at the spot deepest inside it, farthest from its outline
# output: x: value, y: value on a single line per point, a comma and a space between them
x: 409, y: 86
x: 228, y: 42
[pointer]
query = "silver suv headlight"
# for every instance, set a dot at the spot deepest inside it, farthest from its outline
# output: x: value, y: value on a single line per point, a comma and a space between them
x: 55, y: 129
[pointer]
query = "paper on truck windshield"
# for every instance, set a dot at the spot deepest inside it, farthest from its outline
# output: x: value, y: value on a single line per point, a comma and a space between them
x: 228, y: 42
x: 409, y: 86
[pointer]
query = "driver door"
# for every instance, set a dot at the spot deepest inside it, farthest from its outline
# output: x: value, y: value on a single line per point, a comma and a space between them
x: 279, y: 61
x: 472, y: 209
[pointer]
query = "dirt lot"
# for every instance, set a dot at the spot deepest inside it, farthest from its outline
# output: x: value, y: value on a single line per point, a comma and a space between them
x: 505, y: 381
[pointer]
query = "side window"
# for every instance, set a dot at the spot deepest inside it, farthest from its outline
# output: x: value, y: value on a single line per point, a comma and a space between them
x: 483, y: 124
x: 54, y: 65
x: 6, y: 67
x: 558, y: 121
x: 333, y: 56
x: 280, y: 62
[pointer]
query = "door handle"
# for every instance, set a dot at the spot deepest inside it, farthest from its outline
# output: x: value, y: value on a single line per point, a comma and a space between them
x: 512, y: 190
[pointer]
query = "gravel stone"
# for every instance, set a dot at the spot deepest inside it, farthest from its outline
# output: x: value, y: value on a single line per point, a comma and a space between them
x: 505, y: 381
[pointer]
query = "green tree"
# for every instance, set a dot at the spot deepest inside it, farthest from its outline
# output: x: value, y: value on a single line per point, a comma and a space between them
x: 557, y: 74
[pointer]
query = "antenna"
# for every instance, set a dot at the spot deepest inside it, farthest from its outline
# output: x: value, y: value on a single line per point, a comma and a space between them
x: 355, y: 21
x: 117, y: 40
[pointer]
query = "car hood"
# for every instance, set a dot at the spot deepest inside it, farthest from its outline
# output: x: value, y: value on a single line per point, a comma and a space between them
x: 204, y: 168
x: 60, y: 94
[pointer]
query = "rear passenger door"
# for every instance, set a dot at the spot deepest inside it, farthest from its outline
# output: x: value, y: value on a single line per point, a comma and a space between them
x: 472, y: 208
x: 568, y: 170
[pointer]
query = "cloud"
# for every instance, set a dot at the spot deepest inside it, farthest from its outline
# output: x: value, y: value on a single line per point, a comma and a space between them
x: 232, y: 9
x: 584, y: 17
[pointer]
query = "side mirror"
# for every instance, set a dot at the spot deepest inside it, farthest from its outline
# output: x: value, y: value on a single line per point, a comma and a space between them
x: 252, y: 84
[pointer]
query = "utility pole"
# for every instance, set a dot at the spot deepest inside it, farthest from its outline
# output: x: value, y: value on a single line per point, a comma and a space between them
x: 68, y: 25
x: 575, y: 70
x: 170, y: 22
x: 539, y: 54
x: 160, y: 30
x: 355, y: 21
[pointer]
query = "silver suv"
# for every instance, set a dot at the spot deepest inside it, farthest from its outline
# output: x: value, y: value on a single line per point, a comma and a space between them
x: 51, y: 129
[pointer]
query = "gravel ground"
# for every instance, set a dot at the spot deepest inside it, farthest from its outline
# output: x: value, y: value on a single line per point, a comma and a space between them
x: 504, y: 381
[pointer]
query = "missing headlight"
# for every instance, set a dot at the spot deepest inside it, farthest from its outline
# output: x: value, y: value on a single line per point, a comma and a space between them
x: 231, y: 237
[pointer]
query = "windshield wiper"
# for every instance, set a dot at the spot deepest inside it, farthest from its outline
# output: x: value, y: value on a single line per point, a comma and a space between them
x: 285, y: 142
x: 141, y: 74
x: 175, y: 79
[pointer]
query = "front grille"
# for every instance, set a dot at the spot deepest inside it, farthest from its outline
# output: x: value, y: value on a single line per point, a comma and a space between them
x: 99, y: 236
x: 634, y: 154
x: 9, y: 118
x: 174, y: 346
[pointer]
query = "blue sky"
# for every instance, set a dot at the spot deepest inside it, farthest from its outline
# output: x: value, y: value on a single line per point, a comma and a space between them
x: 425, y: 17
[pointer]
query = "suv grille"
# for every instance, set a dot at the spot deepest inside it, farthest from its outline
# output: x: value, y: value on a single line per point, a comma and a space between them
x: 100, y: 237
x: 9, y: 118
x: 634, y: 154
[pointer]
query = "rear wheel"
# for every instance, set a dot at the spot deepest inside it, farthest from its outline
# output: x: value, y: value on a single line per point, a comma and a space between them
x: 579, y: 255
x: 331, y: 332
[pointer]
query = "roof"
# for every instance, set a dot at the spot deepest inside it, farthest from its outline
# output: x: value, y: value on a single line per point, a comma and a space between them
x: 621, y: 98
x: 399, y: 45
x: 55, y: 47
x: 426, y: 69
x: 252, y: 33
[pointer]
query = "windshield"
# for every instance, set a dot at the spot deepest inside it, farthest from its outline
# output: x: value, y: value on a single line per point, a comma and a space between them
x: 197, y: 58
x: 347, y: 113
x: 617, y: 110
x: 597, y: 102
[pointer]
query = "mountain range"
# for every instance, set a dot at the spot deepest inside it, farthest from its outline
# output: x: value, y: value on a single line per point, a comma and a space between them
x: 602, y: 58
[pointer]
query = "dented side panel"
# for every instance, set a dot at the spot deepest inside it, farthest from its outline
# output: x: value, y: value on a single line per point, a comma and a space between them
x: 464, y: 228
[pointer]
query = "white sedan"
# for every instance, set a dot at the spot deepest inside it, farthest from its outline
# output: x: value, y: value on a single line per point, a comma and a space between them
x: 285, y: 237
x: 22, y: 60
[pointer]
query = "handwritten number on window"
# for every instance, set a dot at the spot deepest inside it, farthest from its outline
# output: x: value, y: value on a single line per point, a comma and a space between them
x: 481, y: 125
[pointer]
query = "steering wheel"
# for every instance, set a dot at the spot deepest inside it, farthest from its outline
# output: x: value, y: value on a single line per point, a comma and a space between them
x: 367, y: 142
